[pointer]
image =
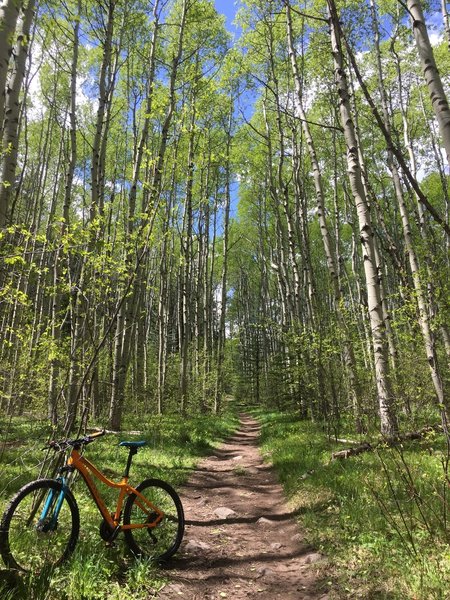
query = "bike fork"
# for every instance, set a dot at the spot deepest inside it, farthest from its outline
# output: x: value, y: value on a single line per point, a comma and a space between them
x: 52, y: 507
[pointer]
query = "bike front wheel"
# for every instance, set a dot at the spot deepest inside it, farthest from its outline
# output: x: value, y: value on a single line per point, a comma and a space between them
x: 162, y: 540
x: 39, y: 528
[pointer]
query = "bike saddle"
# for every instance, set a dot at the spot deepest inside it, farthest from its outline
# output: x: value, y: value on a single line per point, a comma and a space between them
x: 133, y: 444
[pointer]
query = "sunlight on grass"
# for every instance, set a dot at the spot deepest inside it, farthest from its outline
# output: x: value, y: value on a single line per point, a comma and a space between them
x: 95, y: 571
x: 380, y: 517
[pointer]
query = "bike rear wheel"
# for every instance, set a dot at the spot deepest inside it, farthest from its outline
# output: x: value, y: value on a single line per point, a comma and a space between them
x: 32, y: 535
x: 160, y: 542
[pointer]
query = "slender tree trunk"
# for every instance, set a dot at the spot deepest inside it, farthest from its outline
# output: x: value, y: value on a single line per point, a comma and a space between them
x: 73, y: 121
x: 378, y: 257
x: 204, y: 316
x: 445, y: 18
x: 430, y: 72
x: 121, y: 361
x: 422, y: 304
x: 378, y: 330
x: 186, y: 271
x: 10, y: 144
x: 68, y: 191
x: 316, y: 171
x: 224, y: 279
x: 9, y: 12
x: 164, y: 294
x: 103, y: 98
x: 148, y: 109
x: 162, y: 329
x: 279, y: 190
x: 348, y: 353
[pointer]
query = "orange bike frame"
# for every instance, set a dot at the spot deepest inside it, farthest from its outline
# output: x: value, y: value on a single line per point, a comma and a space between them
x: 87, y: 469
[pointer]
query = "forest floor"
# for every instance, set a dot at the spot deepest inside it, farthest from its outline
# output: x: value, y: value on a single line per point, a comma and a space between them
x: 241, y: 539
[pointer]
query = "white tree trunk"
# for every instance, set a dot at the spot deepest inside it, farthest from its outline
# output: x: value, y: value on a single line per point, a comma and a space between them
x: 374, y: 299
x: 348, y: 353
x: 430, y: 71
x: 446, y: 21
x: 420, y: 295
x: 9, y: 11
x: 12, y: 106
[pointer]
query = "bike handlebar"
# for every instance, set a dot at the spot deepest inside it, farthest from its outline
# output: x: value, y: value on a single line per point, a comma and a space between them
x: 77, y: 443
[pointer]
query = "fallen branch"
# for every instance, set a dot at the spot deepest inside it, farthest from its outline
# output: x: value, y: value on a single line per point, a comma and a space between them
x: 353, y: 451
x: 95, y: 429
x: 368, y: 446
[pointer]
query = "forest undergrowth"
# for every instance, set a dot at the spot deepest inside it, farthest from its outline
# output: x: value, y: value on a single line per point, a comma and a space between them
x: 381, y: 518
x: 95, y: 571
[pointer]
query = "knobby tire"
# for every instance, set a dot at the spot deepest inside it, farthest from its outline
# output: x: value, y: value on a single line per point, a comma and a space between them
x: 25, y: 544
x: 161, y: 542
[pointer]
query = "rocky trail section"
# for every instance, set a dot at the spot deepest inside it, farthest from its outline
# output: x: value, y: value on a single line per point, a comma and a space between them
x: 241, y: 539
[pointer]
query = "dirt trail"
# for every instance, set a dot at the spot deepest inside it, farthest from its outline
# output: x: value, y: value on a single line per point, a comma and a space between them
x: 255, y: 551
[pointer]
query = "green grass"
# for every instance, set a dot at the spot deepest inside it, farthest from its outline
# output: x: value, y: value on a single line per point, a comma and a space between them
x: 380, y: 517
x: 94, y: 571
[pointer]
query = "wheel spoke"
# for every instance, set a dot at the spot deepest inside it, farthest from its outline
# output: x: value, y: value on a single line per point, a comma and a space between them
x: 162, y: 540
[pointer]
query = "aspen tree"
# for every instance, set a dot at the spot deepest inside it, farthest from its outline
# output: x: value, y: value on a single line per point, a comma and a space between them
x: 9, y: 12
x: 123, y: 333
x: 324, y: 229
x: 221, y: 339
x: 10, y: 141
x: 186, y: 268
x: 53, y: 392
x: 388, y: 420
x: 430, y: 72
x: 420, y: 294
x: 446, y: 20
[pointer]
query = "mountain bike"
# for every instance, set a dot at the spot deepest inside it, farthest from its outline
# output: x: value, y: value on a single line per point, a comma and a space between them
x: 40, y: 525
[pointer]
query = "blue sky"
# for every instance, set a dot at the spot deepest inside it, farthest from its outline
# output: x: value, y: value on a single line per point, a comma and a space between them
x: 228, y: 8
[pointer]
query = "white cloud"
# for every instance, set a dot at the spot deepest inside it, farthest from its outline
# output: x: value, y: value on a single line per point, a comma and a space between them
x: 435, y: 38
x: 36, y: 108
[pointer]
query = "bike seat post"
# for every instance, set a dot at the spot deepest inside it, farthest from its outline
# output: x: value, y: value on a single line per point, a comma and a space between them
x: 133, y: 446
x: 132, y: 452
